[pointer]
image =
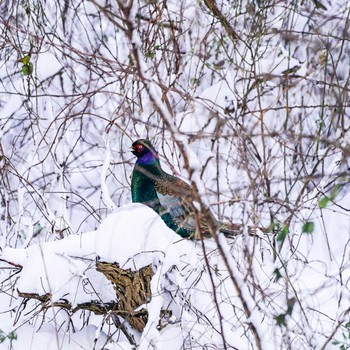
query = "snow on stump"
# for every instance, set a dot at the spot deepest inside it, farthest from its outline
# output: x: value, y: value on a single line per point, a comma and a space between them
x: 133, y: 289
x: 108, y: 271
x: 134, y: 271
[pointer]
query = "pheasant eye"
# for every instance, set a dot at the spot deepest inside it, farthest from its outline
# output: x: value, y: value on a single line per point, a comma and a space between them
x: 138, y: 148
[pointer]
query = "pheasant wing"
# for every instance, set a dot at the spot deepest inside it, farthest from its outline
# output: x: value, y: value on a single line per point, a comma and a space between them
x: 175, y: 197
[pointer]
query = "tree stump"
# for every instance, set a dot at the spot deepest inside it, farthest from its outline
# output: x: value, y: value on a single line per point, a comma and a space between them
x: 133, y: 289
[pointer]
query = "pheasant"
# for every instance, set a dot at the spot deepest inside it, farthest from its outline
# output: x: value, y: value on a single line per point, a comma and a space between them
x: 169, y: 196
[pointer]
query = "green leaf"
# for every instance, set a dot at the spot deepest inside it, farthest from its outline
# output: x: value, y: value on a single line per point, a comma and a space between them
x: 12, y: 336
x: 308, y: 227
x: 150, y: 54
x: 277, y: 274
x: 25, y: 59
x: 283, y: 233
x: 2, y: 336
x: 322, y: 203
x: 27, y: 69
x: 281, y: 319
x: 319, y: 5
x: 290, y: 305
x: 335, y: 192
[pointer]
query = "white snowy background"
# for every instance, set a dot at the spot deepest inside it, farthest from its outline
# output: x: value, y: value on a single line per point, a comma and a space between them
x: 259, y: 124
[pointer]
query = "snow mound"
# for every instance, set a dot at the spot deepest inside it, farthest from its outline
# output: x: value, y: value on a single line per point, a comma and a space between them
x: 134, y: 236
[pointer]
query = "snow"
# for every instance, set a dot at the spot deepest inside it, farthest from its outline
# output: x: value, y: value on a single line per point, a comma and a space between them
x: 74, y: 255
x: 134, y: 236
x: 45, y: 340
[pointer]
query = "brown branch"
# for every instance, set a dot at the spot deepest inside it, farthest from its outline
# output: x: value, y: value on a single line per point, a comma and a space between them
x: 132, y: 291
x: 211, y: 4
